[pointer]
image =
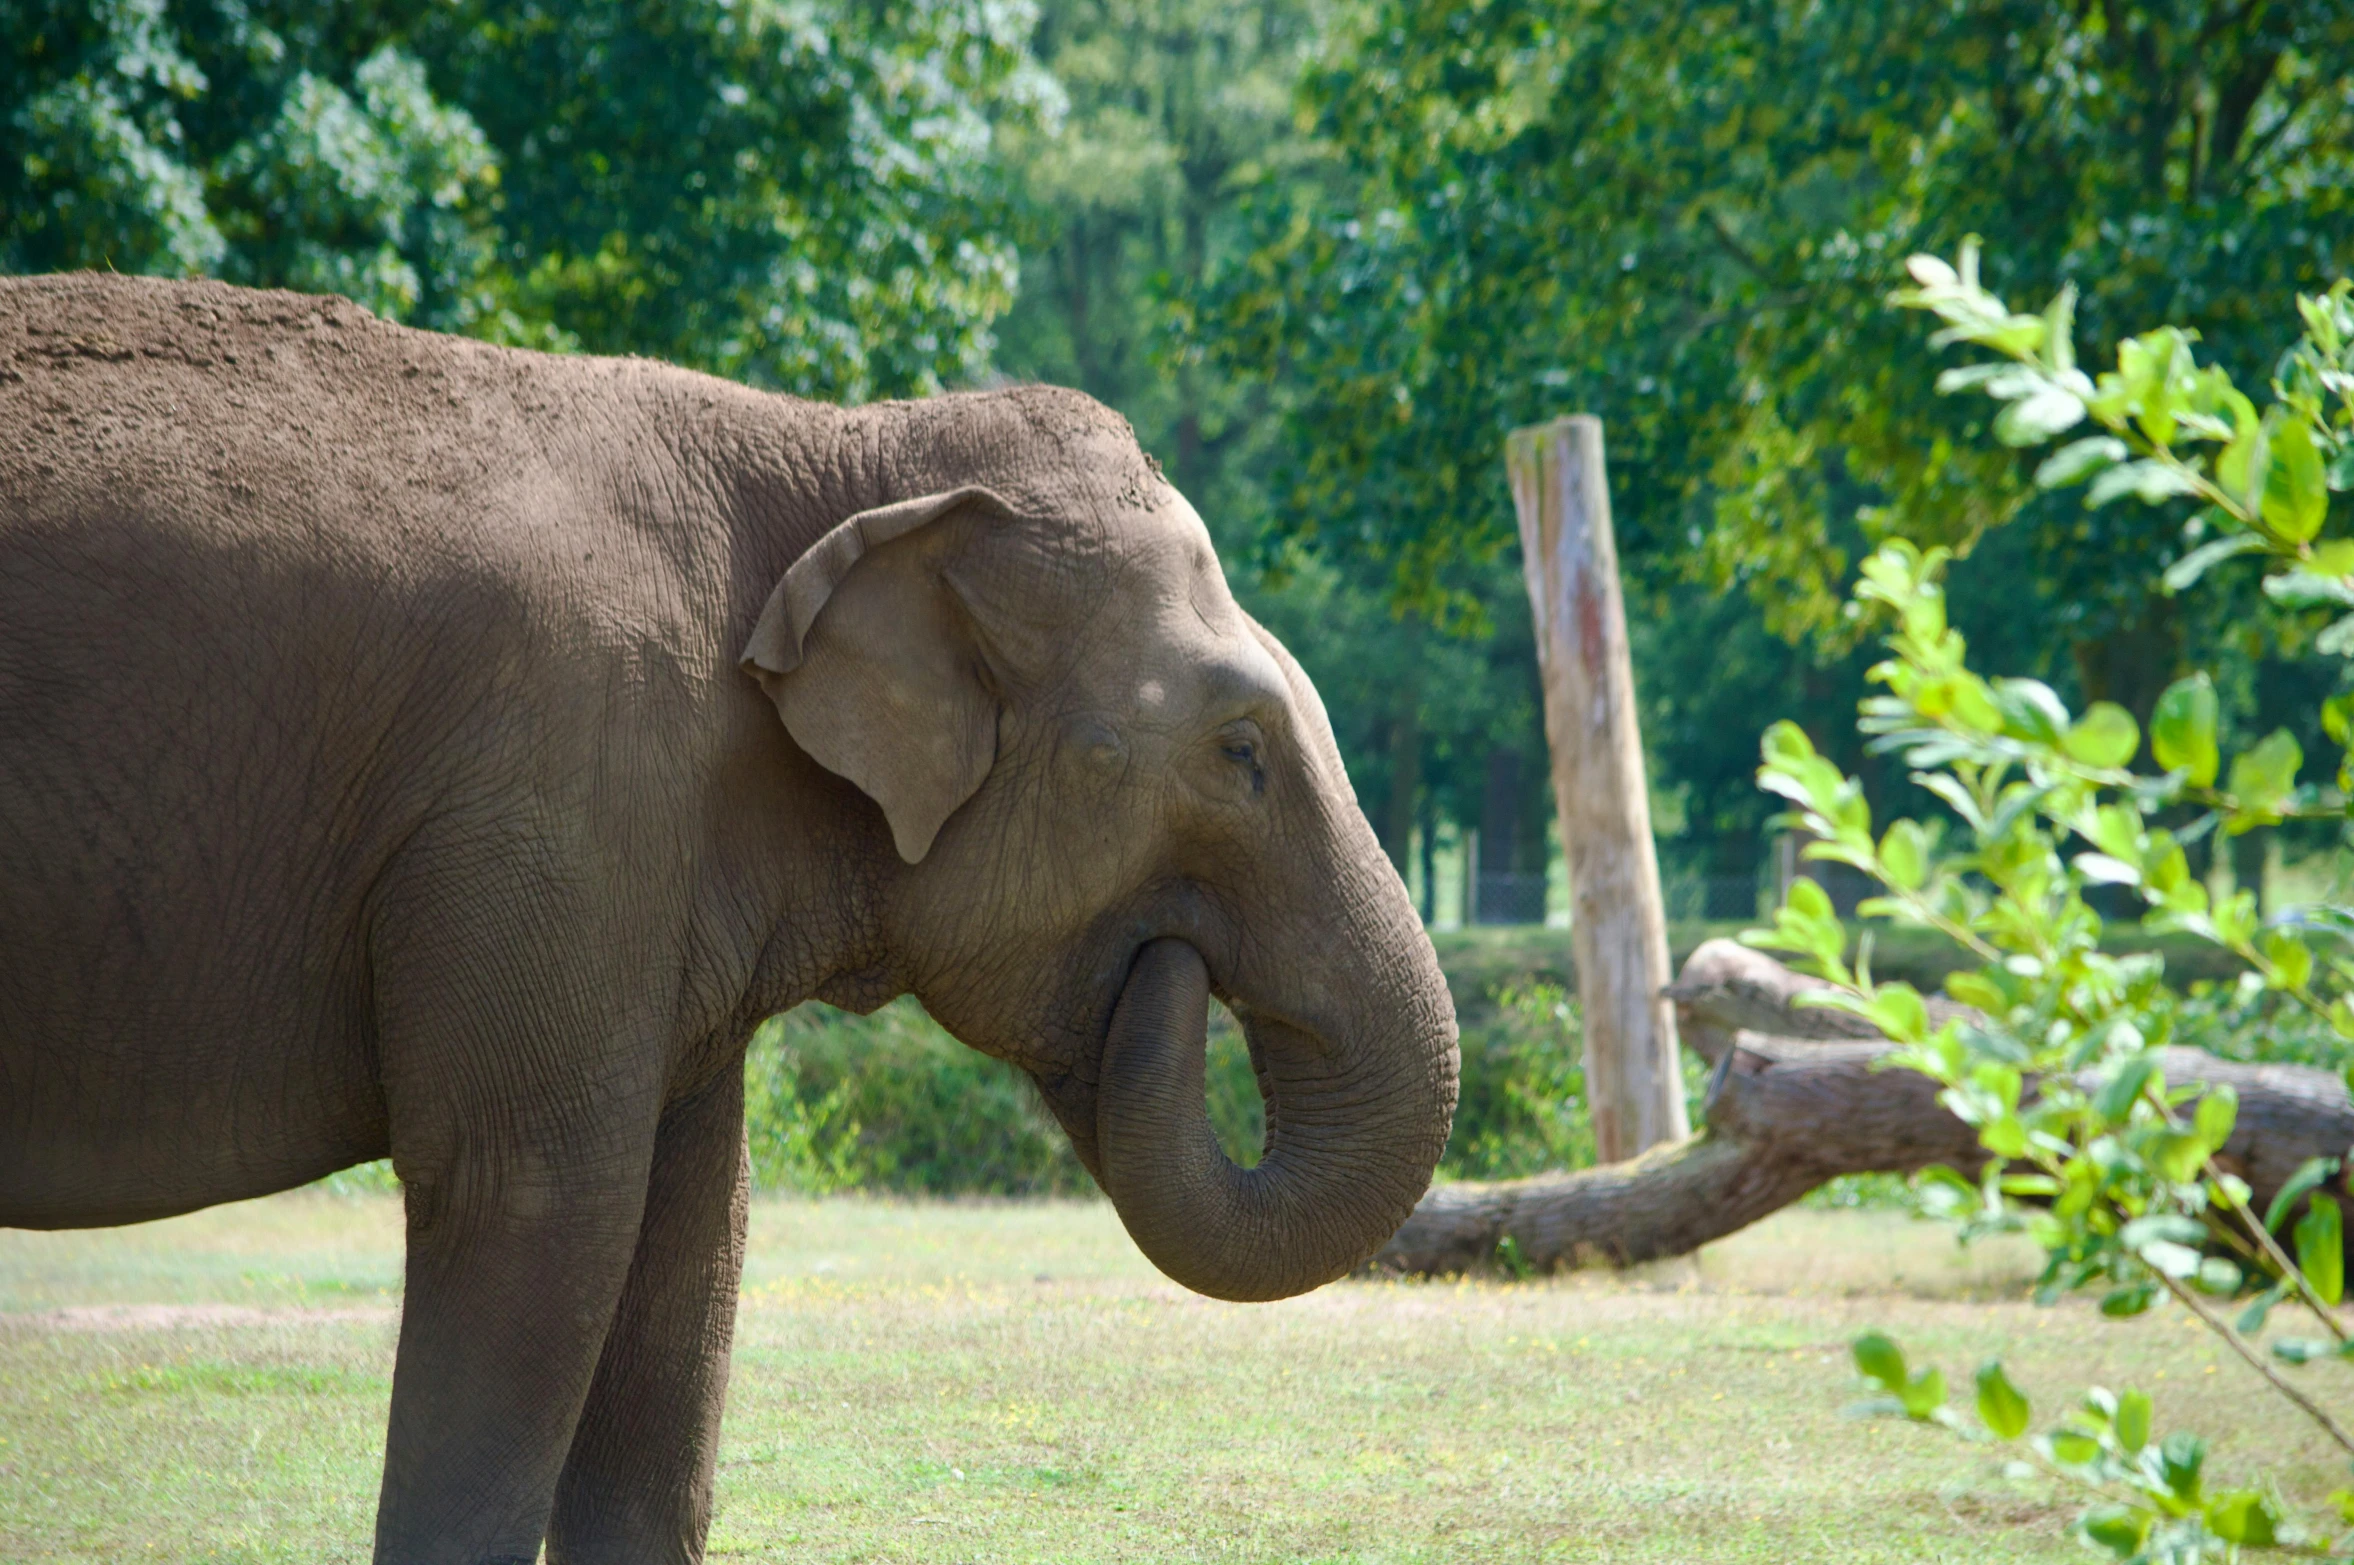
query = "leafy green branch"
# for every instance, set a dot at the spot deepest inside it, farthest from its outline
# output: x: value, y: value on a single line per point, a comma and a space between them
x: 2053, y: 1054
x: 2153, y: 1503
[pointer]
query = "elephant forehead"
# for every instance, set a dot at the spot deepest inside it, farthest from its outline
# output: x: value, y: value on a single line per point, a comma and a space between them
x: 1192, y: 676
x: 1171, y: 647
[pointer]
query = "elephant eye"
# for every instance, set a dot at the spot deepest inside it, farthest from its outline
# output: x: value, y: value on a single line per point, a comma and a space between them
x: 1239, y: 744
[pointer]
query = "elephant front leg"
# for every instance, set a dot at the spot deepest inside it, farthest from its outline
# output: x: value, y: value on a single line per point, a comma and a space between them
x: 518, y: 1247
x: 637, y: 1485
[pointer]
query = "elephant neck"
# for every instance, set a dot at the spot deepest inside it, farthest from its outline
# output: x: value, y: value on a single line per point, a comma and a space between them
x: 808, y: 887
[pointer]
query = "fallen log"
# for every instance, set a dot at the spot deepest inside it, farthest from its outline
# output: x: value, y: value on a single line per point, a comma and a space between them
x: 1794, y: 1101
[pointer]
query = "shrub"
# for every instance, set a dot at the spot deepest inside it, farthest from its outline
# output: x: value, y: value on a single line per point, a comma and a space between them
x: 2093, y: 1157
x: 1521, y: 1108
x: 891, y: 1102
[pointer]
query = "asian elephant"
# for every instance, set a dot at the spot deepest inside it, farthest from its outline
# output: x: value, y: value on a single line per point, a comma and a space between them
x: 416, y: 748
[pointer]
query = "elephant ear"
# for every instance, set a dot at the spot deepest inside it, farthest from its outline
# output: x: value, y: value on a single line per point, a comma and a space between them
x: 871, y: 659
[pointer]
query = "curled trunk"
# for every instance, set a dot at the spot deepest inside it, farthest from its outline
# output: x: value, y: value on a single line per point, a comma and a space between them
x: 1354, y: 1128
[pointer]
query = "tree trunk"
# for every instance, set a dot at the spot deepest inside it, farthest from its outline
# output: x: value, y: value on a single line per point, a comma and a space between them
x: 1793, y: 1102
x: 1405, y: 757
x: 1618, y: 925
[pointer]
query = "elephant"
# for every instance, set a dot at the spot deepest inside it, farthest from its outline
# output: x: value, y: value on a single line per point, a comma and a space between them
x: 424, y: 749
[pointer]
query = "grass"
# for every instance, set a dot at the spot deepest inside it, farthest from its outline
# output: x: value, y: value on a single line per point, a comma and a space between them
x: 1010, y: 1382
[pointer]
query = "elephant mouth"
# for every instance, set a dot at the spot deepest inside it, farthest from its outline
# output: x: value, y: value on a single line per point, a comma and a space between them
x: 1348, y: 1151
x: 1071, y: 1092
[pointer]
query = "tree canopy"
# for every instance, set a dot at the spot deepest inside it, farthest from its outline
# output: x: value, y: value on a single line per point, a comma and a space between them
x: 1688, y: 218
x: 1324, y: 253
x: 1678, y: 216
x: 804, y: 198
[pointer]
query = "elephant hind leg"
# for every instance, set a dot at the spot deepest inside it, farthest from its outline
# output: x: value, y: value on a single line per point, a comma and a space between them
x: 637, y: 1484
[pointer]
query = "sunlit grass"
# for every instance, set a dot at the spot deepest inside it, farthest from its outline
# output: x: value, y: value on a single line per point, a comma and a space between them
x: 1010, y: 1382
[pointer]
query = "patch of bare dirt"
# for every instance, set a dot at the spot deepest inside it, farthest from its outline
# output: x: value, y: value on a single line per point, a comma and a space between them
x: 188, y: 1317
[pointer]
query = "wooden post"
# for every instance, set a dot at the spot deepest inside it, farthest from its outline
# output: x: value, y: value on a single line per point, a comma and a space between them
x: 1618, y: 927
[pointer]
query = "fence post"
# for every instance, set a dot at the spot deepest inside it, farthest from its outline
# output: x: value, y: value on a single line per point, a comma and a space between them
x: 1618, y: 928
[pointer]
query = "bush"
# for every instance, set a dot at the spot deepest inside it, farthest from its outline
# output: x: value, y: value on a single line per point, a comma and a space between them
x: 1522, y: 1107
x: 2053, y: 832
x: 891, y: 1102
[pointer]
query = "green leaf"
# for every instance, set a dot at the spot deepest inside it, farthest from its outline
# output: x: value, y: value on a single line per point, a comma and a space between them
x: 2243, y: 1516
x: 2117, y: 831
x: 2031, y: 710
x: 2114, y: 1102
x: 2182, y: 730
x: 2101, y: 869
x: 2170, y: 1259
x: 2106, y: 736
x: 2303, y: 1350
x: 2337, y: 717
x: 2296, y: 494
x: 2131, y: 1300
x: 1879, y: 1358
x: 1925, y: 1395
x: 2252, y: 1318
x: 2133, y: 1420
x: 1969, y: 377
x: 2337, y: 640
x: 2180, y: 1457
x: 2004, y: 1135
x: 2309, y: 1175
x: 2059, y: 319
x: 2038, y: 416
x: 2002, y: 1407
x: 2183, y: 572
x: 2242, y: 468
x: 1898, y: 1011
x: 2148, y: 481
x: 2218, y: 1110
x: 2074, y: 1448
x: 2076, y: 461
x: 1904, y: 854
x: 2161, y: 1226
x: 2302, y: 589
x: 2177, y: 1157
x: 2321, y: 1248
x: 1944, y: 1193
x: 2262, y: 778
x: 2118, y: 1528
x: 2290, y: 956
x: 2235, y: 918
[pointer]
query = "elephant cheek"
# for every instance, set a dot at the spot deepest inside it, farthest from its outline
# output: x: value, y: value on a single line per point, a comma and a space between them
x: 1072, y: 1102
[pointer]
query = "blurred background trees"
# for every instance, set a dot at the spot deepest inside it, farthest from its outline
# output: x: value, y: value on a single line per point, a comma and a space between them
x: 1323, y: 253
x: 1680, y: 217
x: 802, y: 198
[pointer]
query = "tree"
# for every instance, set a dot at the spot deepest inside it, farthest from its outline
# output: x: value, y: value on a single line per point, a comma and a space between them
x: 1177, y: 108
x: 1682, y: 218
x: 2129, y: 1192
x: 803, y: 200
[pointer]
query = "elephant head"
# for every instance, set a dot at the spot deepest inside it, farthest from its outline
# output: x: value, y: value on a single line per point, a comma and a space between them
x: 1111, y: 795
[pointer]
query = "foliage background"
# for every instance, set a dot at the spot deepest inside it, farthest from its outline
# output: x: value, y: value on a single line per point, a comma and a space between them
x: 803, y: 197
x: 1323, y: 253
x: 889, y: 1102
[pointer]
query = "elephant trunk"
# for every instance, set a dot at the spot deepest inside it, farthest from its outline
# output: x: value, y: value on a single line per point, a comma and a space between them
x: 1354, y: 1127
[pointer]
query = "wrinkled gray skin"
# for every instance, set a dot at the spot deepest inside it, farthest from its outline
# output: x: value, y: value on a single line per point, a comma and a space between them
x: 392, y: 765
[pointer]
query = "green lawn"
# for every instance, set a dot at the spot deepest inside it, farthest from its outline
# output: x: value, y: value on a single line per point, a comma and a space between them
x: 1012, y: 1383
